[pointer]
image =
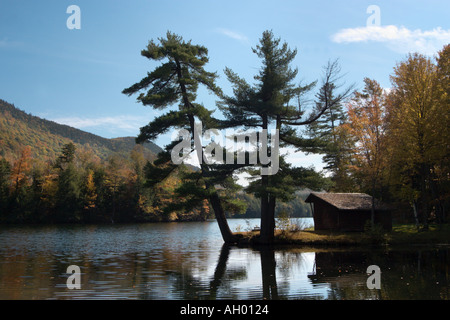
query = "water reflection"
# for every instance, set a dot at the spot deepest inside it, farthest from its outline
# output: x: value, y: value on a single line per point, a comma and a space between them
x: 189, y: 261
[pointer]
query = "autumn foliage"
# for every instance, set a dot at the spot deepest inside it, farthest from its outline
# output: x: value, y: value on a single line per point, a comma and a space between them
x: 399, y: 149
x: 76, y: 187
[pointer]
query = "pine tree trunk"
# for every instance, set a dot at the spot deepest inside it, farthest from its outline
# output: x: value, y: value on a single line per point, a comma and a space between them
x: 227, y: 235
x: 267, y: 227
x: 265, y: 216
x: 268, y: 202
x: 271, y: 219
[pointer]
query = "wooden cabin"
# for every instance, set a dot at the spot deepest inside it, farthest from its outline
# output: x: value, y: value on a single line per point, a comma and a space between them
x: 346, y: 211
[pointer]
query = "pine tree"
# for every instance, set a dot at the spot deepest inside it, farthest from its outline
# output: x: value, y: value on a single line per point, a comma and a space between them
x: 68, y: 195
x: 271, y: 103
x: 67, y: 156
x: 176, y: 81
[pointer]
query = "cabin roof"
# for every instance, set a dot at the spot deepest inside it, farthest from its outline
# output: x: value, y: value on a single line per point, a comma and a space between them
x: 347, y: 201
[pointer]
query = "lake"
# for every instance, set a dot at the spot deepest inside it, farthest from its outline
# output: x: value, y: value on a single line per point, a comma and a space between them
x: 178, y: 261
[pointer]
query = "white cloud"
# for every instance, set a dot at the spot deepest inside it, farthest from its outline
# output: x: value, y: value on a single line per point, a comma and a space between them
x: 121, y: 122
x: 301, y: 159
x: 232, y: 34
x: 399, y: 39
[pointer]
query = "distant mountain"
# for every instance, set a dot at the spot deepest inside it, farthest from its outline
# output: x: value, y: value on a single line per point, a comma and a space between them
x: 46, y: 138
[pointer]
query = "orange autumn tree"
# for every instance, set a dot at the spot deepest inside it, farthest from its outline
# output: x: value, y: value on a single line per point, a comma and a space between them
x: 366, y: 125
x: 19, y: 172
x: 90, y: 193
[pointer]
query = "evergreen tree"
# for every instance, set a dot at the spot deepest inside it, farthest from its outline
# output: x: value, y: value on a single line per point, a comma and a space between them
x: 176, y: 81
x: 67, y: 156
x: 68, y: 196
x: 36, y: 208
x: 68, y: 201
x: 327, y: 135
x: 271, y: 103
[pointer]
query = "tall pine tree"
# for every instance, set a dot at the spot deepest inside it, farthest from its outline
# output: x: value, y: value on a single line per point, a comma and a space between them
x: 272, y: 103
x: 176, y: 80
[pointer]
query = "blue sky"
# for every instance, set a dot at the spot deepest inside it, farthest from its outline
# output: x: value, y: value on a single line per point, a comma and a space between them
x: 75, y: 76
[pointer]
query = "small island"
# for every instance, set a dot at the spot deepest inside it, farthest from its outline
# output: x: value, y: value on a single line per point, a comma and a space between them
x: 401, y: 235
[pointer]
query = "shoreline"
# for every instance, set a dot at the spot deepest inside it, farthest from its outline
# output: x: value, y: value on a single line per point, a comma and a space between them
x: 399, y: 236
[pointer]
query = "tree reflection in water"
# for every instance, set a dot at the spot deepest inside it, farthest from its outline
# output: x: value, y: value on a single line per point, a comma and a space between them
x: 338, y: 274
x: 268, y: 273
x: 151, y: 262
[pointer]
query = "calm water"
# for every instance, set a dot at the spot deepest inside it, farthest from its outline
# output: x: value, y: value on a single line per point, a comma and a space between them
x: 189, y: 261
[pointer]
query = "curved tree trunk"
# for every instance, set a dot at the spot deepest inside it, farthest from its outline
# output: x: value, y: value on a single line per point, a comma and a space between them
x: 227, y: 235
x: 216, y: 204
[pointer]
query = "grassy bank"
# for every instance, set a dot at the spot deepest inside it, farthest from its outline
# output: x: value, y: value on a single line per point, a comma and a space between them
x: 400, y: 235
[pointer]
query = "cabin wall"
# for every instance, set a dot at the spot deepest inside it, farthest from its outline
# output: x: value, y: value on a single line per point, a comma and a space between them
x: 353, y: 220
x: 328, y: 217
x: 325, y: 216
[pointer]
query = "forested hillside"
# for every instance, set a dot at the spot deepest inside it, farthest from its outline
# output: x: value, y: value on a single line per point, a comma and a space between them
x: 46, y: 138
x: 55, y: 173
